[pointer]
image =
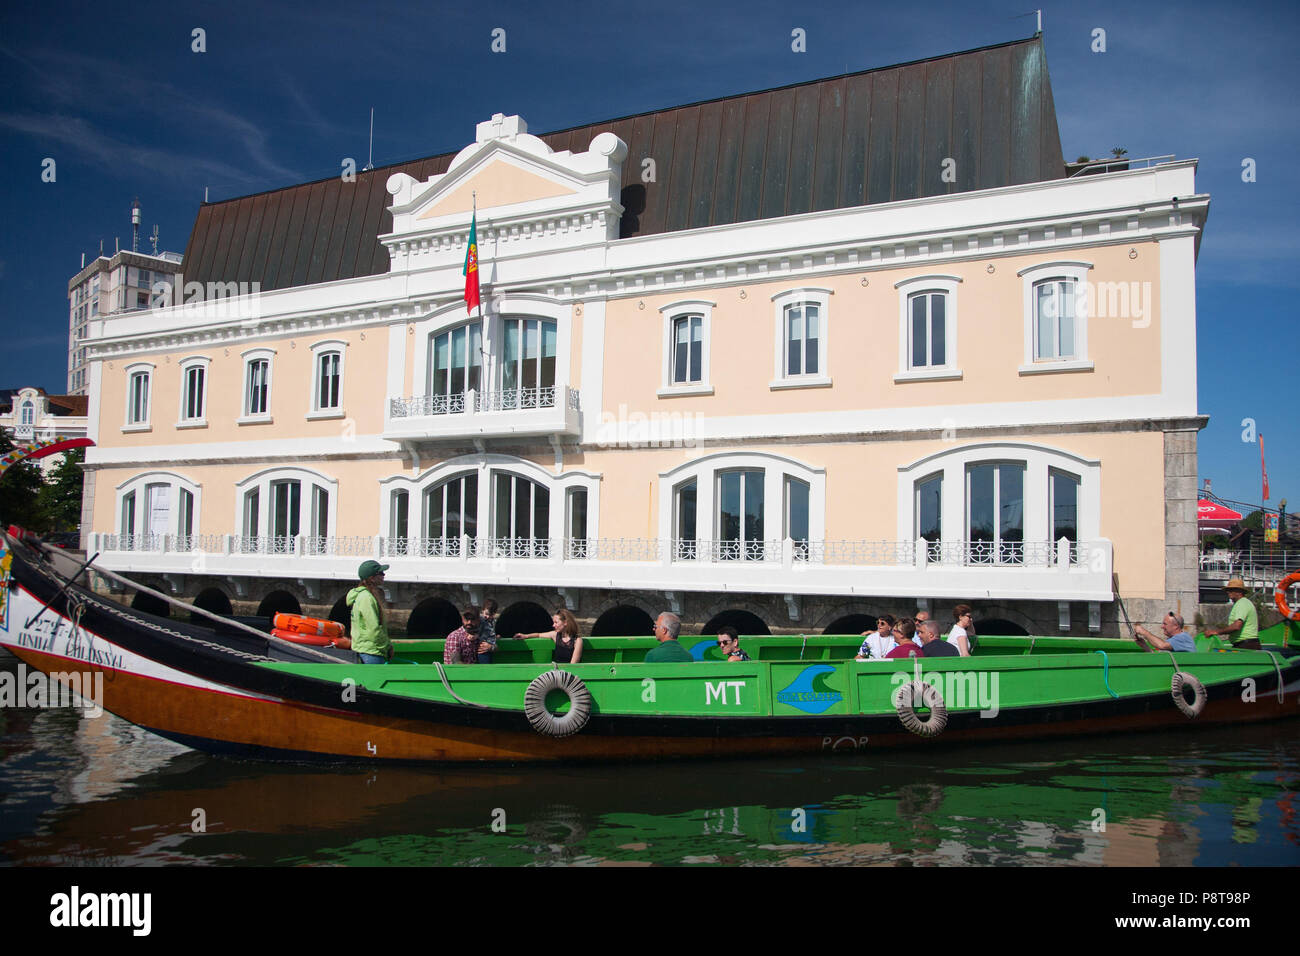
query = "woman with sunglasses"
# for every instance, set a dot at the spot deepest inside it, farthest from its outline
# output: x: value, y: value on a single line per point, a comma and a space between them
x: 729, y: 644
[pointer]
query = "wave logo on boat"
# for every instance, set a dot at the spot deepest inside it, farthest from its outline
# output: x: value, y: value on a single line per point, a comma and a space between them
x: 809, y: 692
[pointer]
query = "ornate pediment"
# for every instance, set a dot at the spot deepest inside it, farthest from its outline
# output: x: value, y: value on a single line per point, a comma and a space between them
x: 526, y: 195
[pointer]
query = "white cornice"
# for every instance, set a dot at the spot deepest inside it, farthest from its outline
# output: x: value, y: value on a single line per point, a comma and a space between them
x: 803, y: 248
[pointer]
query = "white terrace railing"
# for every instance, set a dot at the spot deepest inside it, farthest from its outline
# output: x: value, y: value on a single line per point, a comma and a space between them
x: 498, y: 400
x: 831, y: 553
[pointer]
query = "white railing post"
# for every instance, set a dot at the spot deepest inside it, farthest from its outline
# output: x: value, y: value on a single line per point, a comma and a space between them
x: 227, y: 544
x: 464, y: 547
x: 1063, y: 554
x: 921, y: 555
x: 787, y: 553
x: 471, y: 401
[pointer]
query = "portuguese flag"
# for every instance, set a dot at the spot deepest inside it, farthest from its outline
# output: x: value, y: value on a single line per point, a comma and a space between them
x: 471, y: 267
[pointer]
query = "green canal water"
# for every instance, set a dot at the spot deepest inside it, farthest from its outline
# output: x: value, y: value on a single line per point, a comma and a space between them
x: 101, y: 792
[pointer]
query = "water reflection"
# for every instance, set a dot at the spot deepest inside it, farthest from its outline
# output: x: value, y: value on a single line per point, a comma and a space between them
x: 101, y: 792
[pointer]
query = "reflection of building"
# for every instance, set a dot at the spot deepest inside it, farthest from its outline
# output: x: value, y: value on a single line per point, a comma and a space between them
x: 122, y: 283
x: 820, y: 351
x: 28, y: 413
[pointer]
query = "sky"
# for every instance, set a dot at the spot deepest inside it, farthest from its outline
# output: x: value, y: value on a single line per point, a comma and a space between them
x: 119, y: 98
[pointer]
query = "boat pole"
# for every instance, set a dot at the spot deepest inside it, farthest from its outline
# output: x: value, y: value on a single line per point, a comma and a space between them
x: 1114, y: 581
x: 46, y: 606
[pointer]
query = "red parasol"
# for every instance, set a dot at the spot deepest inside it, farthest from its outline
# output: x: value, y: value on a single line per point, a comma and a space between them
x: 1212, y: 515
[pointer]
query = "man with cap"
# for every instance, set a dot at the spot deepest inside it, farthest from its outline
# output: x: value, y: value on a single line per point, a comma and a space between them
x: 1243, y: 619
x: 369, y: 633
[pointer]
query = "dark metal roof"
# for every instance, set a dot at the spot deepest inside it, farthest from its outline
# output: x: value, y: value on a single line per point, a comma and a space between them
x: 871, y: 137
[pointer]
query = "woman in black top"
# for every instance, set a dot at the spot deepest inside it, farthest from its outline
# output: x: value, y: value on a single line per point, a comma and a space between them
x: 568, y: 644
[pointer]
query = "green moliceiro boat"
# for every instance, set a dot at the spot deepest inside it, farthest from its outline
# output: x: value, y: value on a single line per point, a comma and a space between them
x: 241, y: 692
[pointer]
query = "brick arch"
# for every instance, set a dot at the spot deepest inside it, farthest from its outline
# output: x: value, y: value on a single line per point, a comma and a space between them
x: 626, y: 599
x: 623, y: 620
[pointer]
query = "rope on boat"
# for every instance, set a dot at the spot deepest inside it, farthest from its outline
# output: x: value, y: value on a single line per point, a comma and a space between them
x: 557, y: 725
x: 119, y: 611
x: 1032, y: 640
x: 802, y: 646
x: 1105, y: 673
x: 447, y: 687
x: 1277, y: 667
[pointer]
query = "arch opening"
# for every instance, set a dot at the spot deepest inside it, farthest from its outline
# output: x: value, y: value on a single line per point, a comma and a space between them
x: 623, y: 621
x: 433, y: 618
x: 745, y: 622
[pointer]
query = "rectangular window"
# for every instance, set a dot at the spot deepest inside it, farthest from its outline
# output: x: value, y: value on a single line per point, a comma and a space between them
x: 194, y: 377
x: 328, y: 380
x: 286, y: 500
x: 688, y: 349
x: 576, y: 522
x: 456, y: 365
x: 320, y: 512
x: 740, y: 515
x: 684, y: 520
x: 796, y: 513
x: 252, y: 520
x: 1054, y: 320
x: 157, y: 506
x: 144, y: 279
x: 995, y: 513
x: 928, y: 329
x: 802, y: 331
x: 259, y: 384
x: 185, y: 519
x: 128, y: 513
x: 138, y: 409
x: 929, y: 512
x: 1064, y: 509
x: 398, y: 517
x: 528, y: 363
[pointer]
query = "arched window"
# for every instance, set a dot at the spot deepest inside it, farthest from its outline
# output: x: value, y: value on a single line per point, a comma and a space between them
x: 1006, y: 503
x: 450, y: 510
x: 286, y: 511
x: 157, y: 509
x: 740, y: 507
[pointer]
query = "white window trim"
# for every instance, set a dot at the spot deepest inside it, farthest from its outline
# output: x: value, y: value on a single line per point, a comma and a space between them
x: 249, y: 356
x: 950, y: 370
x: 813, y: 296
x: 177, y: 483
x: 263, y: 480
x: 671, y: 312
x: 1069, y: 269
x: 775, y: 469
x: 317, y: 350
x: 193, y: 361
x: 130, y: 371
x: 485, y: 466
x: 1039, y: 462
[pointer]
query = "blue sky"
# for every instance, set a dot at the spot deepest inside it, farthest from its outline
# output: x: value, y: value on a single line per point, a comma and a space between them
x: 118, y: 98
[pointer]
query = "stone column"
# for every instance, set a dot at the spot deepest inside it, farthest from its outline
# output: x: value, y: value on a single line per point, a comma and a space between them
x: 1182, y: 560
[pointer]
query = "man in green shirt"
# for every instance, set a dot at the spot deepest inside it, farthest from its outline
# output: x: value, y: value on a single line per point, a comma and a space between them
x: 667, y: 627
x: 1243, y: 620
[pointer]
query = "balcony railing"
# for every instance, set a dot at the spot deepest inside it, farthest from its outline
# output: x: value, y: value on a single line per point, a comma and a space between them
x: 1037, y: 570
x: 499, y: 400
x: 832, y: 553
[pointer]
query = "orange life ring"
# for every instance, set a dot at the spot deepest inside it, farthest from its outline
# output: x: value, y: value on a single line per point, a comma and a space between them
x: 1279, y: 596
x: 315, y: 640
x: 307, y: 625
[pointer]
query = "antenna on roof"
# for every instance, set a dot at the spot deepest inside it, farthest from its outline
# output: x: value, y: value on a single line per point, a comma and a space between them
x: 370, y: 161
x: 154, y: 239
x: 135, y: 224
x: 1038, y: 13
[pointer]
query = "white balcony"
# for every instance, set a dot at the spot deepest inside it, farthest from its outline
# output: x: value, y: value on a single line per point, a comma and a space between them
x: 1047, y: 571
x: 502, y: 413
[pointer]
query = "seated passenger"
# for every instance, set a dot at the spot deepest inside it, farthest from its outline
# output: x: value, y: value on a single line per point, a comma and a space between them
x: 1176, y: 638
x: 568, y: 642
x: 903, y: 635
x: 462, y: 645
x: 729, y: 643
x: 487, y: 630
x: 667, y: 627
x: 932, y: 645
x: 879, y: 642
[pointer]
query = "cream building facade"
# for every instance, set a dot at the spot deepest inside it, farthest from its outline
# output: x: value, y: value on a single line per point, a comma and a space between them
x: 794, y: 422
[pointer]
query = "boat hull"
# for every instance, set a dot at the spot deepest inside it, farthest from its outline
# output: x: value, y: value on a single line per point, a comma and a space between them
x: 169, y: 680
